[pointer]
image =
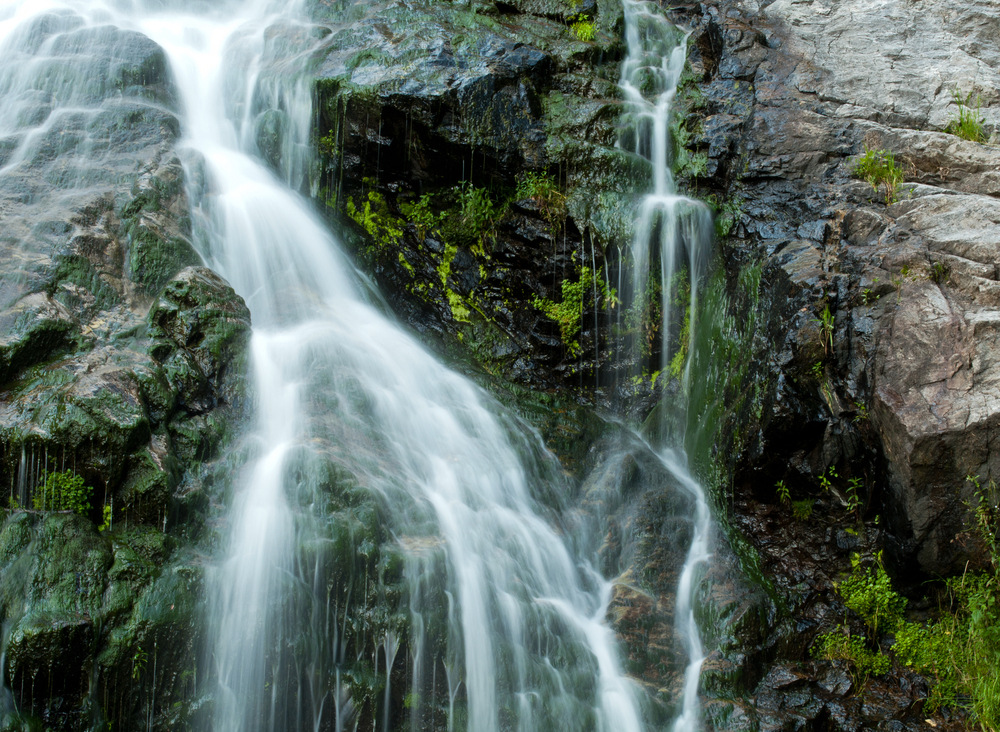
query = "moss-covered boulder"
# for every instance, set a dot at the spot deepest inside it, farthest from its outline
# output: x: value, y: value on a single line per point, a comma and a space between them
x: 472, y: 152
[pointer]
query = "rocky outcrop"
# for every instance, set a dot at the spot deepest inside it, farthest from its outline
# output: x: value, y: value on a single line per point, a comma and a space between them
x: 472, y: 152
x: 118, y: 370
x: 856, y: 369
x: 907, y: 288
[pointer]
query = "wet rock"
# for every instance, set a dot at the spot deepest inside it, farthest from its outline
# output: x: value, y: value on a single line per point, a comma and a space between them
x: 430, y: 103
x: 95, y: 225
x: 904, y: 392
x: 30, y: 331
x: 201, y: 329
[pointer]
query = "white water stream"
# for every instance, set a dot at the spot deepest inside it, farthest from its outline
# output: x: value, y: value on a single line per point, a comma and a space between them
x: 676, y: 231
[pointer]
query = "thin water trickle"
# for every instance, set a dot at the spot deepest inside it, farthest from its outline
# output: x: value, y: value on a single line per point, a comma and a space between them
x: 675, y: 231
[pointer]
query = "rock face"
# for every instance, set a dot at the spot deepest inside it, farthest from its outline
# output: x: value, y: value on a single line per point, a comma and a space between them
x: 470, y: 152
x: 910, y: 286
x: 862, y: 375
x: 114, y: 369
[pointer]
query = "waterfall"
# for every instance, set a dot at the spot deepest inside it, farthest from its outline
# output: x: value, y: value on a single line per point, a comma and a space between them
x: 676, y: 232
x: 391, y: 523
x: 366, y: 453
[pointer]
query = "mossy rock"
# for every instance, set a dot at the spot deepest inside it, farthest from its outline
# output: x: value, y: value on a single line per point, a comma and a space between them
x: 156, y: 230
x: 200, y: 329
x: 32, y: 330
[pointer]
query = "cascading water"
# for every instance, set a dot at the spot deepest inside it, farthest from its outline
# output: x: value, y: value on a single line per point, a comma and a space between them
x: 676, y: 232
x: 506, y: 619
x: 525, y: 636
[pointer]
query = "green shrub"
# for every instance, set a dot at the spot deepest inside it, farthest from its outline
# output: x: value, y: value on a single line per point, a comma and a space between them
x: 868, y: 592
x: 583, y: 28
x: 840, y: 645
x: 879, y: 169
x: 422, y: 215
x: 63, y: 491
x: 968, y: 123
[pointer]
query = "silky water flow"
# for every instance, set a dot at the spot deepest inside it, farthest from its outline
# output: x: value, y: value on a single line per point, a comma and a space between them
x: 673, y: 235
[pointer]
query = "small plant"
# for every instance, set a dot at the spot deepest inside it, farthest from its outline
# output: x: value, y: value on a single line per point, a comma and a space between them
x: 107, y: 518
x: 679, y: 358
x: 803, y: 510
x: 784, y: 496
x: 817, y: 370
x: 868, y: 295
x: 476, y: 216
x: 868, y: 592
x: 854, y: 502
x: 139, y: 659
x: 862, y: 411
x: 63, y: 491
x: 583, y: 28
x: 878, y: 168
x: 841, y: 645
x: 969, y: 123
x: 826, y: 325
x: 569, y: 311
x: 939, y: 272
x: 421, y: 215
x: 544, y: 191
x: 826, y: 478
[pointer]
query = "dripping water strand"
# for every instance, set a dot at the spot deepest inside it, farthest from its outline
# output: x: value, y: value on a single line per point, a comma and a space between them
x: 676, y: 231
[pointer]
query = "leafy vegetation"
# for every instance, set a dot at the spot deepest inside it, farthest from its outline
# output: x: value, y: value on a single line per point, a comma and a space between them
x: 679, y: 358
x: 879, y: 169
x: 584, y: 28
x: 803, y: 510
x: 63, y: 491
x: 476, y: 208
x: 568, y: 312
x: 958, y: 649
x: 781, y: 490
x: 868, y: 592
x: 825, y: 321
x: 841, y: 645
x: 545, y: 192
x: 422, y: 215
x: 968, y: 123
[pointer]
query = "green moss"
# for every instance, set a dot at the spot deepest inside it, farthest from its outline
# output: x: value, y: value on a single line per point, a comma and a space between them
x: 568, y: 312
x: 406, y: 265
x: 153, y: 257
x: 374, y: 217
x: 79, y: 271
x: 679, y: 359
